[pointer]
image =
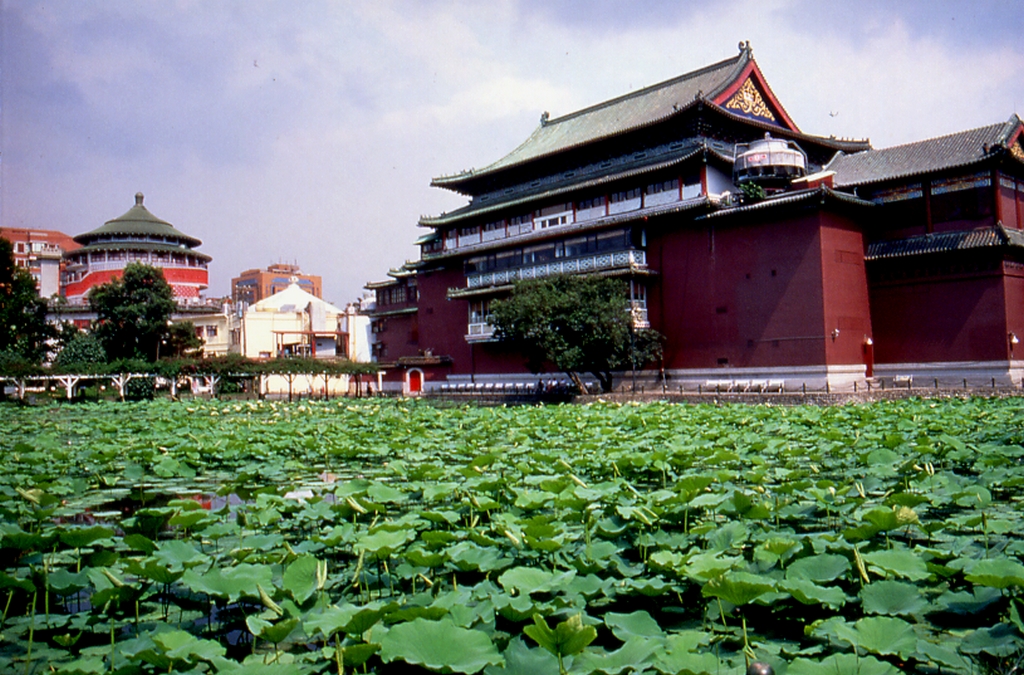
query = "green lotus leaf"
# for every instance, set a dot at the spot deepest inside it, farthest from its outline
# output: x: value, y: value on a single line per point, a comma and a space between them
x: 631, y: 656
x: 842, y: 664
x: 353, y: 655
x: 439, y: 645
x: 944, y: 656
x: 880, y: 635
x: 467, y: 556
x: 140, y: 542
x: 999, y: 572
x: 739, y: 588
x: 1000, y: 640
x: 80, y: 537
x: 810, y: 593
x: 683, y: 662
x: 300, y: 578
x: 899, y: 562
x: 231, y: 583
x: 180, y: 645
x: 178, y: 554
x: 520, y: 659
x: 154, y: 571
x: 528, y: 580
x: 820, y: 568
x: 385, y: 494
x: 383, y: 543
x: 568, y: 638
x: 638, y: 623
x: 704, y: 566
x: 61, y: 581
x: 87, y: 665
x: 892, y: 598
x: 966, y: 603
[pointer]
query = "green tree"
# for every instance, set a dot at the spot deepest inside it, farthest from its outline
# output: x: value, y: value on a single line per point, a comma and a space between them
x: 181, y: 341
x: 82, y: 349
x: 133, y: 313
x: 576, y: 324
x: 24, y: 331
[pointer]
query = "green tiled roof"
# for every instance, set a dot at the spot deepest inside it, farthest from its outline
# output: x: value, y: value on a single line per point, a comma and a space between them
x: 140, y: 222
x: 957, y: 150
x: 634, y: 110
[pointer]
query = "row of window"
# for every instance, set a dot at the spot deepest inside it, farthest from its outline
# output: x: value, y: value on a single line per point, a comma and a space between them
x: 570, y: 247
x: 562, y: 214
x: 480, y: 310
x: 396, y: 295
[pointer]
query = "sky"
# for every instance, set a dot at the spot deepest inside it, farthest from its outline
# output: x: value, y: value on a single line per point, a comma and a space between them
x: 308, y: 132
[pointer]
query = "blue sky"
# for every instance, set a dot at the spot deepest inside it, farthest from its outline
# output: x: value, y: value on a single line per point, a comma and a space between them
x: 309, y: 131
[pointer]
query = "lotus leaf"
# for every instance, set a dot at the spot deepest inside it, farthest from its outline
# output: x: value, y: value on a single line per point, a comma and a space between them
x: 439, y: 645
x: 633, y: 655
x: 1000, y: 640
x: 738, y: 588
x: 810, y: 593
x: 999, y: 572
x: 819, y: 568
x: 880, y: 635
x: 243, y: 580
x: 842, y: 664
x: 679, y: 662
x: 638, y: 623
x: 899, y: 562
x: 522, y: 660
x: 529, y: 580
x: 892, y: 598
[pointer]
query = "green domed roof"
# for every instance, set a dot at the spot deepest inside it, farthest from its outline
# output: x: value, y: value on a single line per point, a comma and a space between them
x: 138, y: 221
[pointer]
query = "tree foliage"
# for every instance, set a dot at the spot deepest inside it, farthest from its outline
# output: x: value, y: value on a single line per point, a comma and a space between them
x: 576, y: 324
x: 81, y: 350
x: 24, y: 331
x: 182, y: 341
x: 132, y: 313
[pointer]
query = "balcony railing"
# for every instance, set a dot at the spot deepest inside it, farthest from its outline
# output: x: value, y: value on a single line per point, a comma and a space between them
x: 590, y: 263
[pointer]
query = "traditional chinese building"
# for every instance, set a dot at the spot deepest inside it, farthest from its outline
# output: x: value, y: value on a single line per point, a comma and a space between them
x: 766, y: 256
x: 136, y: 236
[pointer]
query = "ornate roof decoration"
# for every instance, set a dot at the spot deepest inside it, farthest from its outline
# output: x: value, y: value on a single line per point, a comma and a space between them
x: 961, y: 149
x: 749, y: 102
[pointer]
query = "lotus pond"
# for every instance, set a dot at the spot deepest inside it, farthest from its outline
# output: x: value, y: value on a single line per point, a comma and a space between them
x: 396, y: 537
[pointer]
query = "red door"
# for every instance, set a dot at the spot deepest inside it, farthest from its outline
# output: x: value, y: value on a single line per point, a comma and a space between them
x: 415, y: 381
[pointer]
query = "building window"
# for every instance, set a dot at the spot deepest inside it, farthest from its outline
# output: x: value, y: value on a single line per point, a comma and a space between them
x: 211, y: 332
x: 593, y: 203
x: 663, y: 186
x: 625, y: 195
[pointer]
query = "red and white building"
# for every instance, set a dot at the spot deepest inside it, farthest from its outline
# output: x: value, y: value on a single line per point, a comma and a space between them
x: 136, y: 236
x: 41, y: 252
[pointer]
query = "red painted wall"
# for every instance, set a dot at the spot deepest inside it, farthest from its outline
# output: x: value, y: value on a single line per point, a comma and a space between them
x: 845, y: 290
x: 956, y: 318
x: 747, y: 292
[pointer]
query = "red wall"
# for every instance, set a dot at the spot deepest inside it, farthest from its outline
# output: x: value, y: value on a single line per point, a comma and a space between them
x: 749, y: 293
x: 845, y: 290
x: 956, y: 318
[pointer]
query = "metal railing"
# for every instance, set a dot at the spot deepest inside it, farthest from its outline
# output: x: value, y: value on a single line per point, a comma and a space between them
x: 583, y: 264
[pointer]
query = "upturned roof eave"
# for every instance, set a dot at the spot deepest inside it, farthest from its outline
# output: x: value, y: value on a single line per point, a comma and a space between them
x: 454, y: 182
x: 468, y: 210
x: 732, y: 68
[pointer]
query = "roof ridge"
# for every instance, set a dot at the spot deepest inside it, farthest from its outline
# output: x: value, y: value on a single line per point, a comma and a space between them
x: 940, y: 137
x: 652, y: 87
